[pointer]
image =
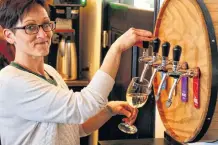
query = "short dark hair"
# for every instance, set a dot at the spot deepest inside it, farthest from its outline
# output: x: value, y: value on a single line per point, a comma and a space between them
x: 11, y: 11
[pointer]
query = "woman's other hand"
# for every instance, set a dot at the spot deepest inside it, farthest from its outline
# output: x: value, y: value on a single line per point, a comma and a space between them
x: 132, y: 37
x: 123, y: 108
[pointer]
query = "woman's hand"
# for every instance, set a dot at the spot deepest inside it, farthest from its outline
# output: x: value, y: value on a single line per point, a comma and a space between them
x: 123, y: 108
x: 113, y: 108
x: 132, y: 37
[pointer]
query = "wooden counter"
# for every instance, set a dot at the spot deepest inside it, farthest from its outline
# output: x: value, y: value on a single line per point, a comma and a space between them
x: 76, y: 83
x: 152, y: 141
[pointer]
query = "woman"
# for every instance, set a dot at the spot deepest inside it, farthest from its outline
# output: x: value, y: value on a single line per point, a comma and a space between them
x: 36, y: 106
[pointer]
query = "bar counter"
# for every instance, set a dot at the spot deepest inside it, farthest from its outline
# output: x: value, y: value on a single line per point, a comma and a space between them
x: 148, y: 141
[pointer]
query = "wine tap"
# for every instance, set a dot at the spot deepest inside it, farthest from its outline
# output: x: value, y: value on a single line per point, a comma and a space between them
x: 161, y: 68
x: 150, y: 60
x: 146, y: 45
x: 174, y: 73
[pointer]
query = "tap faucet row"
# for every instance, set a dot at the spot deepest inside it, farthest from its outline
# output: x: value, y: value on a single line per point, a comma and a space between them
x: 169, y: 68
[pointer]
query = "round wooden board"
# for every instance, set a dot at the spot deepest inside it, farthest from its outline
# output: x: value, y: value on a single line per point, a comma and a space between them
x: 181, y: 22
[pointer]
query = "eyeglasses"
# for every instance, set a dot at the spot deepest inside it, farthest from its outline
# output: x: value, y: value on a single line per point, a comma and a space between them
x: 34, y: 29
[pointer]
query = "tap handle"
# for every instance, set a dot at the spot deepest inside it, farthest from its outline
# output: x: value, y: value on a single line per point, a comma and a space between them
x: 165, y: 49
x: 177, y: 53
x: 145, y: 44
x: 156, y: 45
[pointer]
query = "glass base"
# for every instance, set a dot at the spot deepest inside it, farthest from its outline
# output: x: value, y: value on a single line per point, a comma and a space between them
x: 130, y: 129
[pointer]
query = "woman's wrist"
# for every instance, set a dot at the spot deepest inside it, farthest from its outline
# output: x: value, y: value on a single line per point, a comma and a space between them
x: 116, y: 49
x: 109, y: 110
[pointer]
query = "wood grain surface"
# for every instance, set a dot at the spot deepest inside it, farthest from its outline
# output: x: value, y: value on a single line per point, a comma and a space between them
x: 181, y: 22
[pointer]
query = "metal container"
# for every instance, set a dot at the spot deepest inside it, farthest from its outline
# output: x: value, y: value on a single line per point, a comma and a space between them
x: 67, y: 59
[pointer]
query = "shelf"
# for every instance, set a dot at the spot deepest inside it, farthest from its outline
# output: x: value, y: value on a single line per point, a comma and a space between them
x: 68, y: 5
x: 64, y: 30
x: 76, y: 83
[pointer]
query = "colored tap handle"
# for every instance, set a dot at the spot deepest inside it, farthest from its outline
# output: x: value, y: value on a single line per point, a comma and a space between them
x: 165, y: 49
x: 156, y: 45
x: 177, y: 50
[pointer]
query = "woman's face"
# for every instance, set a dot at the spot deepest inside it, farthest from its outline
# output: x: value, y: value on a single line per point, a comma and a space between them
x: 38, y: 44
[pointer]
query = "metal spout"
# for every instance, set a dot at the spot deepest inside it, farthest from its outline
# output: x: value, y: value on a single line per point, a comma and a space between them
x: 169, y: 101
x: 146, y: 67
x: 146, y: 59
x: 160, y: 86
x: 152, y: 78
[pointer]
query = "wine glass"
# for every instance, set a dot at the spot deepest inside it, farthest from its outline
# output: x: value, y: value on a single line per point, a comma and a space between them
x: 136, y: 95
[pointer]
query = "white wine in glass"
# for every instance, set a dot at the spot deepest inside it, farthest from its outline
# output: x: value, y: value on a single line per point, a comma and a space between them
x: 137, y: 100
x: 136, y: 95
